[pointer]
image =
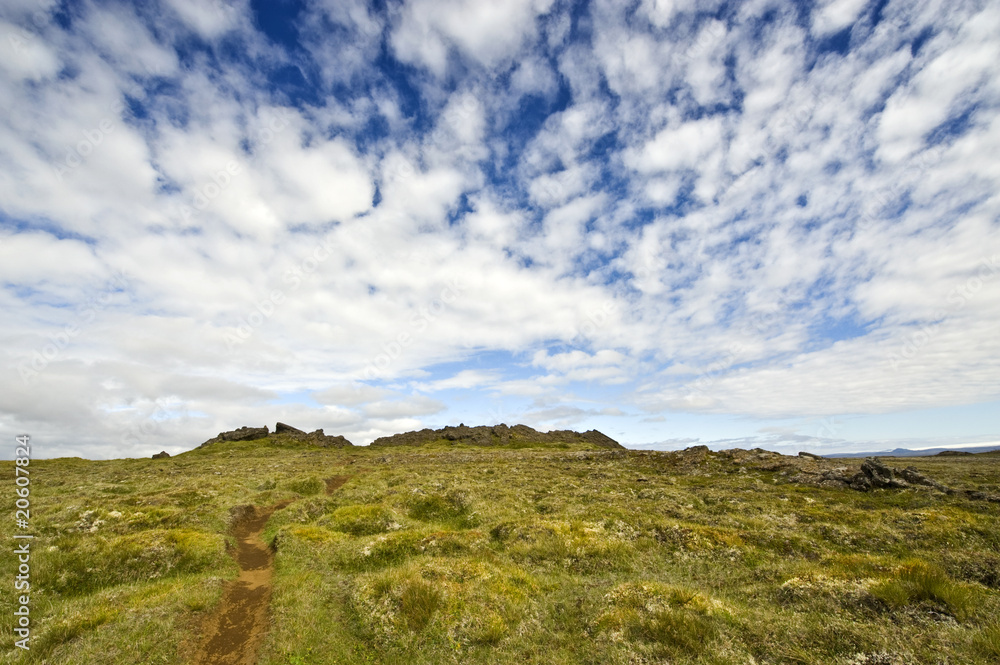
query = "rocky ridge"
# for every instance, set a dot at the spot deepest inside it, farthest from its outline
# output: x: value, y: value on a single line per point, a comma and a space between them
x: 816, y: 471
x: 281, y: 431
x: 496, y: 435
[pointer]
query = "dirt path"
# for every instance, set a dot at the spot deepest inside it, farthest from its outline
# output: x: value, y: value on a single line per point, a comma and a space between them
x: 236, y: 629
x: 333, y: 484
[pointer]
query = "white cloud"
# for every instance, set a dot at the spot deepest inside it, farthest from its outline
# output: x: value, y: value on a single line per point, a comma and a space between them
x: 835, y: 15
x: 645, y: 236
x: 483, y: 31
x: 25, y: 53
x: 937, y: 88
x: 412, y: 406
x: 676, y: 148
x: 208, y: 19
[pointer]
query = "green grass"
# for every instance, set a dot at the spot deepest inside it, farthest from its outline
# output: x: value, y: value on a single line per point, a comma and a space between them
x: 451, y: 553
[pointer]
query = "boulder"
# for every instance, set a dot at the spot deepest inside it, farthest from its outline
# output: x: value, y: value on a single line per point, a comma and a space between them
x: 244, y: 434
x: 809, y: 455
x: 282, y: 428
x: 318, y: 438
x: 861, y: 482
x: 163, y: 454
x: 880, y: 475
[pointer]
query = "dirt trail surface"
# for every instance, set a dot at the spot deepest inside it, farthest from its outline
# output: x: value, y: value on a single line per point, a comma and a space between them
x: 235, y: 631
x: 334, y: 483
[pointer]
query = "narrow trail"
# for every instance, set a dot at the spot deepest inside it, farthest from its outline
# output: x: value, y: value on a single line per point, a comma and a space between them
x: 235, y: 631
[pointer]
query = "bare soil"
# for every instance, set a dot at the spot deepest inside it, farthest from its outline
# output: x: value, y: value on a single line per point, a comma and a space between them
x: 235, y: 631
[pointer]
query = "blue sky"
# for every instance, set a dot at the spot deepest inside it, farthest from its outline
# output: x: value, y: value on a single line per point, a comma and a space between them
x: 742, y: 224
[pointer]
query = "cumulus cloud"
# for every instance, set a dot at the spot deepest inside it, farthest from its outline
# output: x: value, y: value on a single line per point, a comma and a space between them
x: 372, y: 219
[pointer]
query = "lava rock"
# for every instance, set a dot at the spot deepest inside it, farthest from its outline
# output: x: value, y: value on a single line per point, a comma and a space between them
x: 282, y: 428
x: 880, y: 475
x: 244, y: 434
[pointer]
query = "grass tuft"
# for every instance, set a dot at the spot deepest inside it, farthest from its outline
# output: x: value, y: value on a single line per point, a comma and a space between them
x: 918, y: 582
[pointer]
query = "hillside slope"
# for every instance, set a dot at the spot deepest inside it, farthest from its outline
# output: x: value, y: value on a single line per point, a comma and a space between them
x: 490, y: 554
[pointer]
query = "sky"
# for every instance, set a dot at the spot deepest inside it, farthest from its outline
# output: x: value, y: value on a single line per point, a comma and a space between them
x: 738, y: 224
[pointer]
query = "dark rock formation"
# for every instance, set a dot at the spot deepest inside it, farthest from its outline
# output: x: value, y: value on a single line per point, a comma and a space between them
x: 880, y: 475
x: 809, y: 455
x: 244, y: 434
x: 163, y: 454
x: 282, y: 428
x: 497, y: 435
x: 282, y: 432
x: 318, y: 438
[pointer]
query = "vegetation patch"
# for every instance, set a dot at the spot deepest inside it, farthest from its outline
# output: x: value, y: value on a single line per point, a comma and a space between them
x: 673, y: 619
x: 454, y: 601
x: 438, y: 507
x: 306, y: 486
x: 920, y: 582
x: 83, y: 564
x: 361, y: 520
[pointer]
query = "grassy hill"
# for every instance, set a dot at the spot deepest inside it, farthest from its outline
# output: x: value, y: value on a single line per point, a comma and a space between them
x: 560, y: 552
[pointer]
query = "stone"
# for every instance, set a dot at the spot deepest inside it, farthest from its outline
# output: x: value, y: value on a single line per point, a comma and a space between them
x: 860, y: 482
x: 880, y: 475
x: 244, y: 434
x: 282, y: 428
x: 163, y: 454
x: 803, y: 453
x: 836, y: 477
x: 318, y: 438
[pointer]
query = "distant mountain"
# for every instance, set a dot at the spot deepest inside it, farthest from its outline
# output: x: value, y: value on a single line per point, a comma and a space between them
x: 928, y: 452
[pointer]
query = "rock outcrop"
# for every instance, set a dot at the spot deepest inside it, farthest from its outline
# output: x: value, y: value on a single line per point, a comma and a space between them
x: 163, y: 454
x: 282, y: 432
x: 282, y: 428
x: 497, y: 435
x: 881, y: 476
x: 243, y: 434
